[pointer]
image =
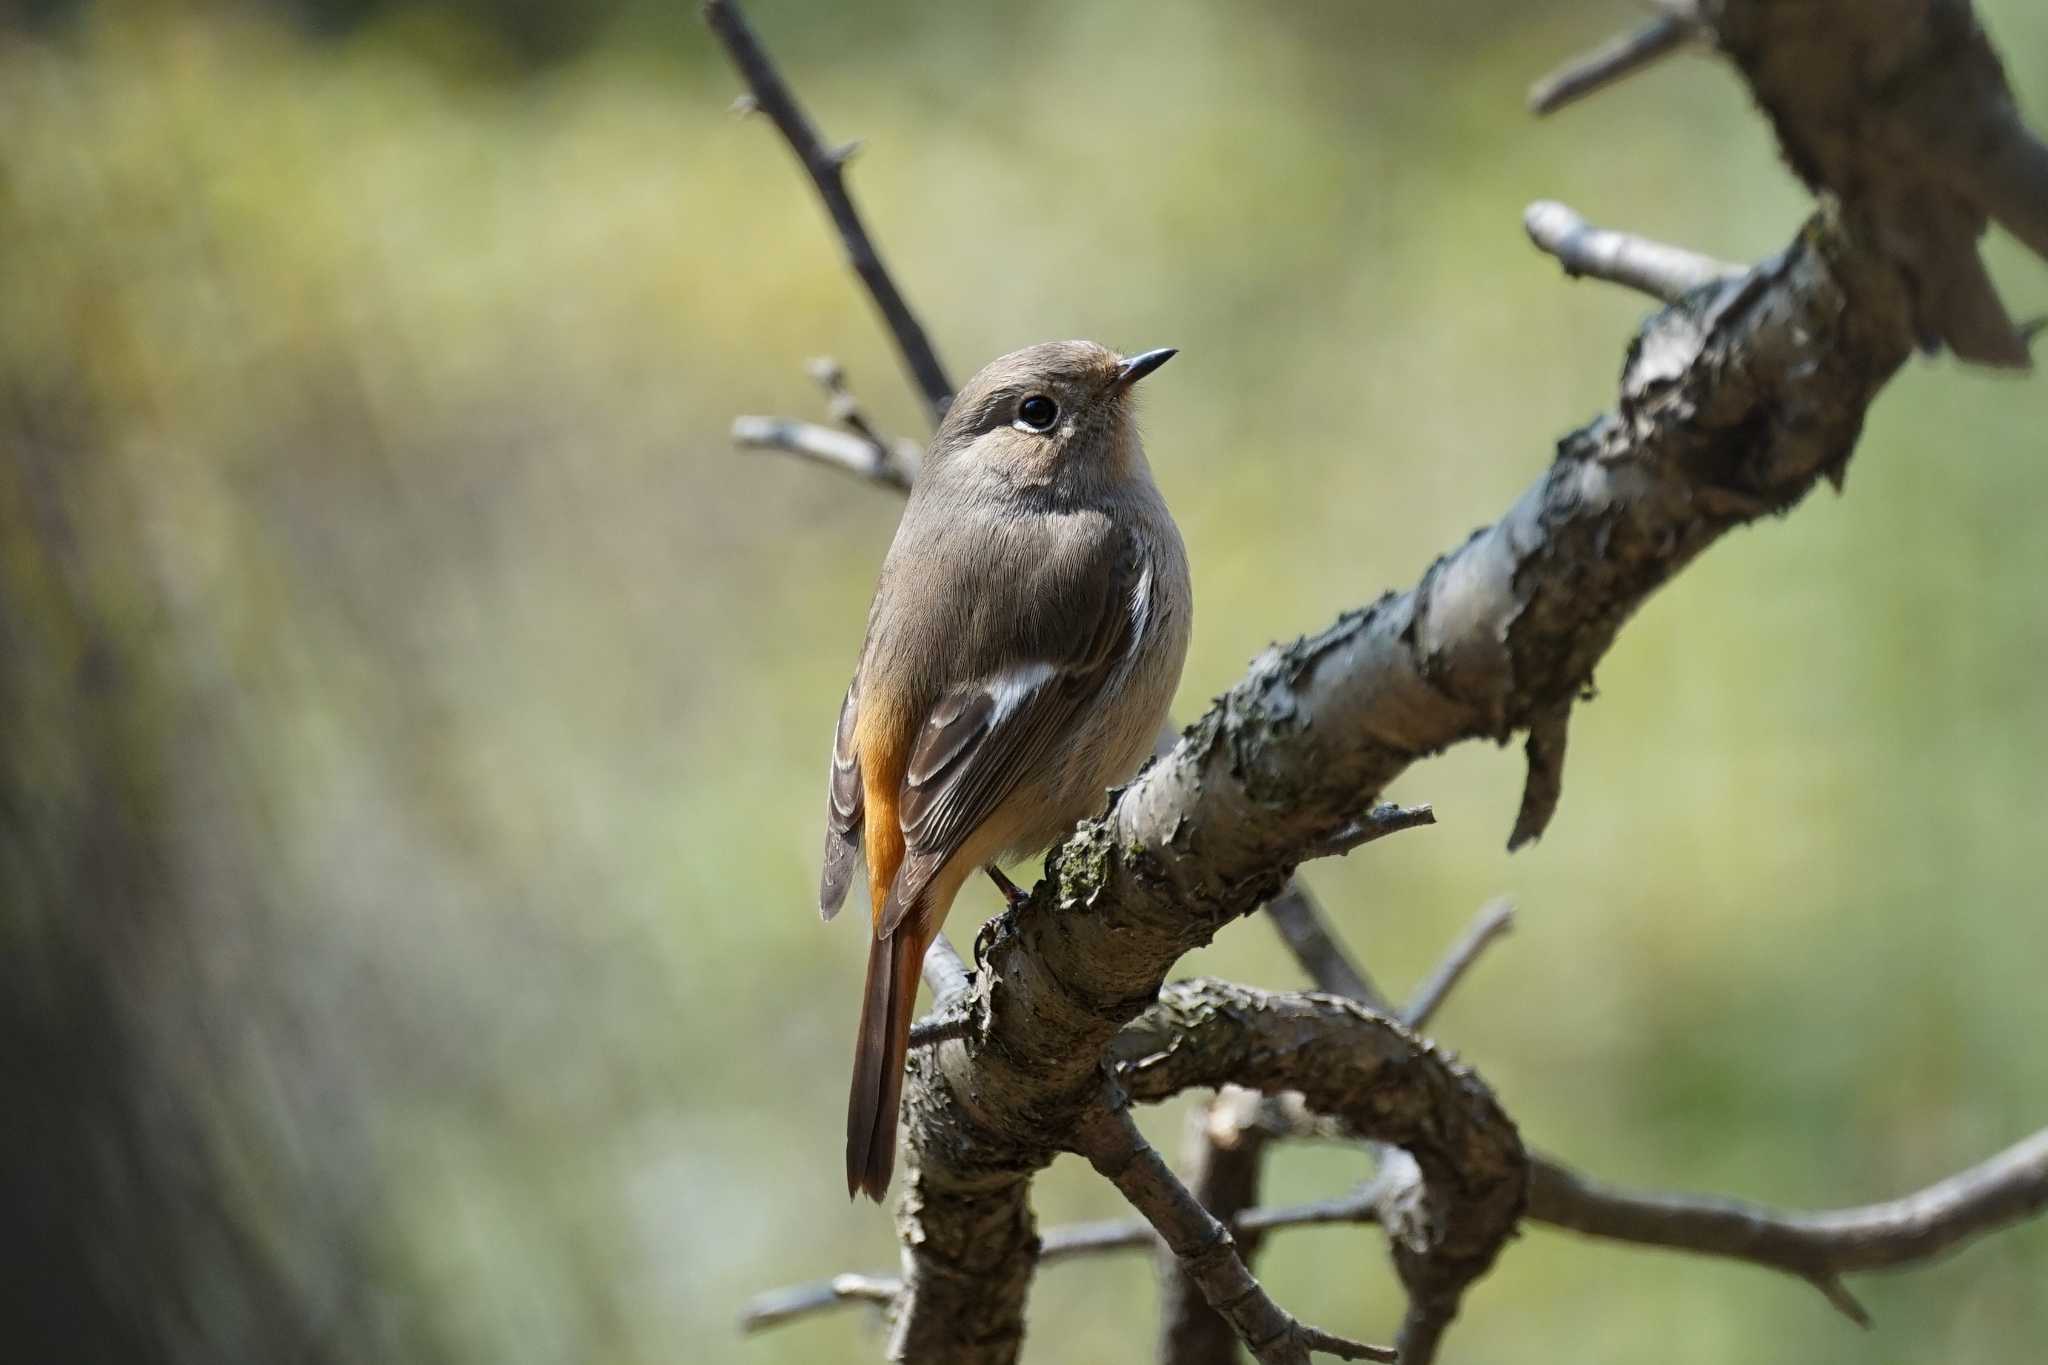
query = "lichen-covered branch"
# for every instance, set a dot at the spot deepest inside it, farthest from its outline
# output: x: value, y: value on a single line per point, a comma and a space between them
x: 1902, y: 110
x: 1735, y: 401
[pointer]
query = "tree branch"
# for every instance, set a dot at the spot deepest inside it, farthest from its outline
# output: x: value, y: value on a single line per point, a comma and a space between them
x: 1494, y: 919
x: 824, y: 445
x: 1110, y: 1140
x: 1817, y: 1247
x: 1222, y: 1161
x: 1663, y: 272
x: 1615, y: 60
x: 1734, y: 402
x: 826, y: 166
x: 1378, y: 1078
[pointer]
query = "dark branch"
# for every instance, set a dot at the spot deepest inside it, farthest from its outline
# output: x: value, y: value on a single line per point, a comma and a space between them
x: 1383, y: 1083
x: 1110, y: 1140
x: 1307, y: 933
x: 1612, y: 61
x: 1817, y: 1247
x: 826, y: 167
x: 1494, y: 919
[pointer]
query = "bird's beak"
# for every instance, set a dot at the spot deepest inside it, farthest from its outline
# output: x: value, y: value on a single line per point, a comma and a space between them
x: 1138, y: 366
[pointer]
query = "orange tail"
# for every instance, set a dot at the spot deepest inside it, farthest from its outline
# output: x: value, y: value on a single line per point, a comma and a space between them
x: 894, y: 965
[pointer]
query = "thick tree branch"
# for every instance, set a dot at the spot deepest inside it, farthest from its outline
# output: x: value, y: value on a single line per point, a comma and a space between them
x: 826, y: 167
x: 1378, y: 1078
x: 1903, y: 111
x: 1735, y: 400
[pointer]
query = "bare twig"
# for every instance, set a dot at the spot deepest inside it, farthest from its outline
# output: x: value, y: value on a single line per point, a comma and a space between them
x: 786, y: 1305
x: 1495, y: 918
x: 1109, y: 1138
x: 842, y: 450
x: 1377, y: 823
x: 940, y: 1028
x: 826, y: 167
x: 1818, y: 1247
x: 1614, y: 60
x: 1662, y: 272
x: 1307, y: 933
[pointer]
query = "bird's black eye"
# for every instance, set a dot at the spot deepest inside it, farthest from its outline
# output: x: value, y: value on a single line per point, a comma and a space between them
x: 1038, y: 412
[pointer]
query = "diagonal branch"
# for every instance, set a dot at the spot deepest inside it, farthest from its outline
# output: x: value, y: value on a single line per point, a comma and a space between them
x: 1615, y: 60
x: 1494, y: 919
x: 1108, y: 1137
x: 1382, y: 1082
x: 826, y: 167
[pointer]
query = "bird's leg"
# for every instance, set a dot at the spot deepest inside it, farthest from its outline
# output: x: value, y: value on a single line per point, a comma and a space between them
x: 1014, y: 896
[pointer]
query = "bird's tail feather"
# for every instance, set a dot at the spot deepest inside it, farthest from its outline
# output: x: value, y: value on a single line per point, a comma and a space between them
x: 880, y: 1046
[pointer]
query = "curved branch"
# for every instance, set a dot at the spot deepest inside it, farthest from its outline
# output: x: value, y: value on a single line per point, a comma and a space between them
x: 1108, y: 1137
x: 1377, y: 1077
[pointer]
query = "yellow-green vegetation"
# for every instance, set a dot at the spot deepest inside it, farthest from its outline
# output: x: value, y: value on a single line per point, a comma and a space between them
x: 374, y: 558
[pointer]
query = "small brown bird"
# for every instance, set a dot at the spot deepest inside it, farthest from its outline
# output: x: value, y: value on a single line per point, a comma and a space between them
x: 1023, y: 647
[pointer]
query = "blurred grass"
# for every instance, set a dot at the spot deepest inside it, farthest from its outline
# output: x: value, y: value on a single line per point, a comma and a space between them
x: 480, y: 690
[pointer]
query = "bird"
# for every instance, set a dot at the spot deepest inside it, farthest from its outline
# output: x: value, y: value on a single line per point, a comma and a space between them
x: 1023, y: 646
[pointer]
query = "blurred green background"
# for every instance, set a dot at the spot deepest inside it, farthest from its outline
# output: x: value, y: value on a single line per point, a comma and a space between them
x: 414, y: 712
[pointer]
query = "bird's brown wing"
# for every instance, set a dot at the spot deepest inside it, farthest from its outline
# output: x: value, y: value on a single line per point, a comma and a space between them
x: 844, y: 809
x: 986, y: 736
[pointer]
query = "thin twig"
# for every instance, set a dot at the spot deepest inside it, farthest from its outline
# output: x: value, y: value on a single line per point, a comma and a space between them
x: 1663, y: 272
x: 1307, y: 933
x: 1377, y: 823
x: 800, y: 1300
x: 826, y: 167
x: 1614, y: 60
x: 1494, y: 919
x: 1109, y: 1138
x: 940, y: 1028
x: 1816, y: 1247
x: 842, y: 450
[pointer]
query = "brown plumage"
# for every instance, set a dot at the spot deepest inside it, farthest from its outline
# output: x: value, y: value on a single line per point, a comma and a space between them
x: 1023, y: 646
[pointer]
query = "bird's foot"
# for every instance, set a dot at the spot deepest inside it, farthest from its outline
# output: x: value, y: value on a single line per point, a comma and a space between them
x: 1014, y: 896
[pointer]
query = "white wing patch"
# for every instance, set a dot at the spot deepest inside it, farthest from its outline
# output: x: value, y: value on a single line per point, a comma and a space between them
x: 1141, y: 609
x: 1010, y: 690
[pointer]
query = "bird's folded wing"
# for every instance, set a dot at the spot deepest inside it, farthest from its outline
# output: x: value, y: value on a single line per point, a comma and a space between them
x: 988, y: 735
x: 844, y: 810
